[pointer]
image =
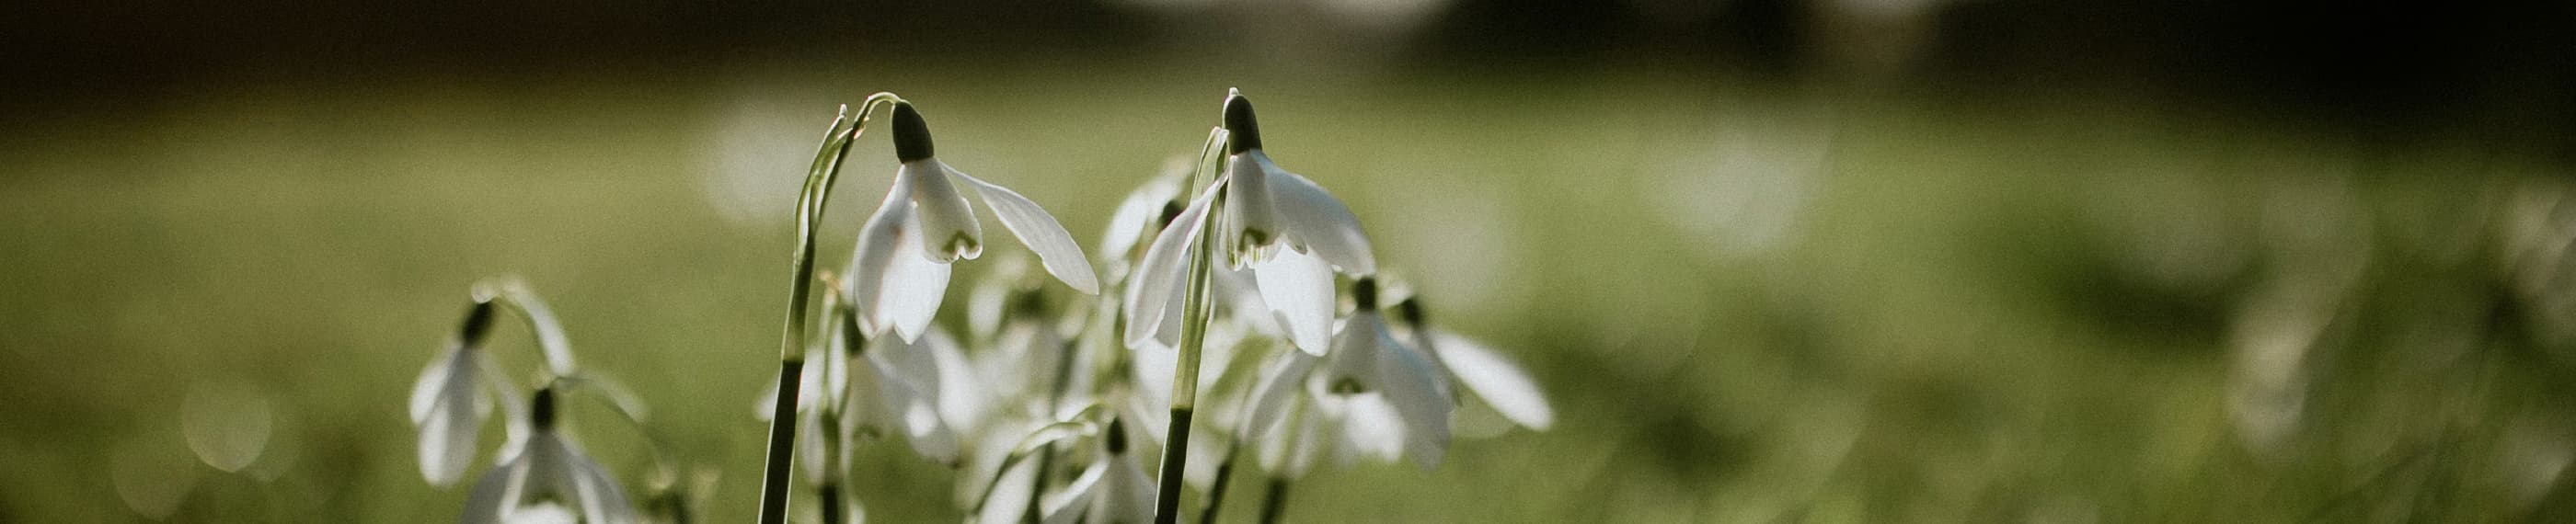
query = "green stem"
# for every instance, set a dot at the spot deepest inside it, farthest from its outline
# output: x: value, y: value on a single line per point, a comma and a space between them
x: 1277, y: 503
x: 791, y: 350
x: 1216, y: 491
x: 1185, y: 373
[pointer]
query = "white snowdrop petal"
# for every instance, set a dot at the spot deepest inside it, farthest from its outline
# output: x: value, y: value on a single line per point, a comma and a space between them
x: 601, y: 499
x: 1160, y: 275
x: 1040, y: 231
x: 961, y: 398
x: 1299, y: 289
x: 491, y: 495
x: 1153, y: 373
x: 948, y: 227
x: 1279, y: 388
x: 447, y: 437
x: 424, y: 391
x: 1136, y: 215
x: 1410, y: 385
x: 1074, y: 501
x: 878, y: 241
x: 914, y: 287
x: 1129, y: 494
x: 1372, y: 427
x: 1495, y: 379
x: 1321, y: 223
x: 914, y: 412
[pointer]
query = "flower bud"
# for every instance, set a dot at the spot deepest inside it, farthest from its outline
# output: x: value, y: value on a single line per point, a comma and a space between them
x: 1243, y: 132
x: 911, y: 134
x: 478, y: 322
x: 541, y: 410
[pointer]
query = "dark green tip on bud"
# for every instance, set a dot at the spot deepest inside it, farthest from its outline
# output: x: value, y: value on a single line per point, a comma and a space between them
x: 1364, y: 293
x: 1409, y: 311
x: 1115, y: 438
x: 911, y: 134
x: 1243, y: 132
x: 541, y: 410
x: 478, y: 322
x: 1171, y: 211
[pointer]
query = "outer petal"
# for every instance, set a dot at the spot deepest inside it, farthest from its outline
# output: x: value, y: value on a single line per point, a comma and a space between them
x: 424, y: 391
x: 948, y: 228
x: 1074, y: 502
x: 1279, y: 389
x: 1495, y: 379
x: 601, y: 499
x: 914, y: 287
x: 1409, y: 384
x: 1299, y: 290
x: 1316, y: 221
x: 1040, y: 231
x: 1137, y: 214
x: 874, y: 257
x: 1153, y: 290
x: 492, y: 494
x: 1127, y: 495
x: 453, y: 420
x: 914, y: 409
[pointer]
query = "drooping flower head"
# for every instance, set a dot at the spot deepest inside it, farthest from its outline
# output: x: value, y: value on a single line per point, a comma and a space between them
x: 1289, y: 232
x: 1379, y: 394
x: 449, y: 402
x: 547, y: 478
x: 899, y: 273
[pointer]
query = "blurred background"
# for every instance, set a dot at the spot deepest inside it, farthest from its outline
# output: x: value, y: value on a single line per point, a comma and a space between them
x: 1773, y: 260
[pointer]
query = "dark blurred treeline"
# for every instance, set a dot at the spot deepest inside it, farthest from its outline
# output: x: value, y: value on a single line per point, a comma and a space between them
x: 2370, y: 64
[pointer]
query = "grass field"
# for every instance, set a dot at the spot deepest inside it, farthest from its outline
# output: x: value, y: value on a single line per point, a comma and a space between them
x: 1749, y: 303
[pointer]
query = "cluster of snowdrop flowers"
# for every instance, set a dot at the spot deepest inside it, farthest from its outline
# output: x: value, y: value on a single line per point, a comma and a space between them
x: 541, y: 473
x: 1054, y: 406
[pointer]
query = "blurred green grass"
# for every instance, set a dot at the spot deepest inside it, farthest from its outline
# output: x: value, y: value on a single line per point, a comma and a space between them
x: 1751, y: 303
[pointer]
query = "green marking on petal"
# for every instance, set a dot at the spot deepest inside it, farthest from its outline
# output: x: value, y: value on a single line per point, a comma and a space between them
x: 959, y: 245
x: 1347, y: 386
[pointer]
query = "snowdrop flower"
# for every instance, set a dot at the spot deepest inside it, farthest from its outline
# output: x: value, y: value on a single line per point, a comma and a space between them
x: 922, y: 390
x: 547, y: 480
x: 1387, y: 396
x: 1484, y: 373
x: 1113, y: 489
x: 899, y: 273
x: 1265, y: 209
x: 449, y: 404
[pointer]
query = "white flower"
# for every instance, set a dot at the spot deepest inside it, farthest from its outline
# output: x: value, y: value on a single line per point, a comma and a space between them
x: 1484, y: 373
x: 545, y: 478
x: 899, y: 273
x: 449, y: 404
x: 1383, y: 396
x: 923, y: 390
x: 1266, y: 209
x: 1112, y: 490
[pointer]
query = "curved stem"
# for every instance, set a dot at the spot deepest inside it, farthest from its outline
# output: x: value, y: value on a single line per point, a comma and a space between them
x: 1185, y: 373
x: 512, y: 292
x: 791, y: 349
